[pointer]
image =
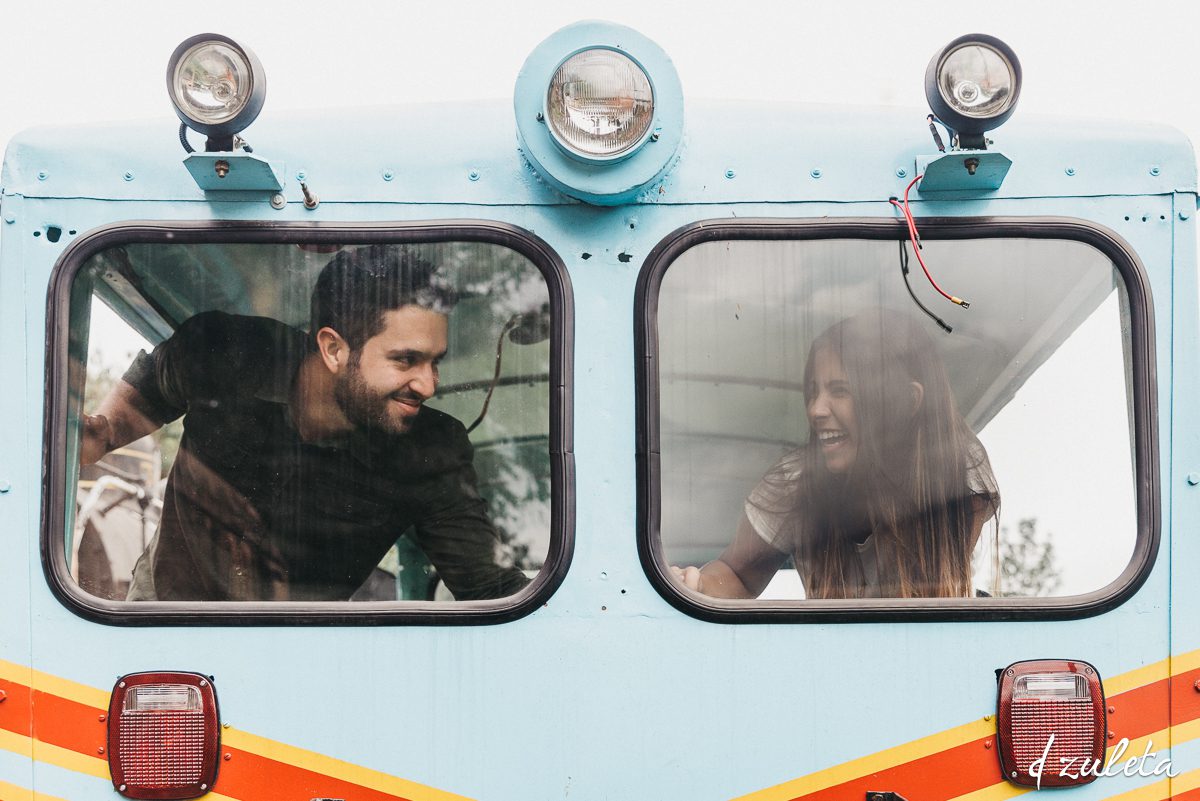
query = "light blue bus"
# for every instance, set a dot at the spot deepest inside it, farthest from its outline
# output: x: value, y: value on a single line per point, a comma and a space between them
x: 600, y: 445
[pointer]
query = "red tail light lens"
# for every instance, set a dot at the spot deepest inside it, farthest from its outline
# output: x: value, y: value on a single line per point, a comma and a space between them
x: 1049, y: 720
x: 163, y: 735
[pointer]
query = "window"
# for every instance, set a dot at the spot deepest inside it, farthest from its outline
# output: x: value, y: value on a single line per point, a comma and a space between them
x: 293, y: 421
x: 817, y: 442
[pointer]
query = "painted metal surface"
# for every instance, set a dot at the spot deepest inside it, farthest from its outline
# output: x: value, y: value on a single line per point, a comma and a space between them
x: 607, y: 692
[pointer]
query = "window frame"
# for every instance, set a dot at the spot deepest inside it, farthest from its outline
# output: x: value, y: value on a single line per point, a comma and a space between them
x: 1144, y: 395
x: 55, y: 433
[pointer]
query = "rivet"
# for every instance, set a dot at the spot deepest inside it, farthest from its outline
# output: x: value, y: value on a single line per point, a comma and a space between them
x: 901, y: 172
x: 100, y: 750
x: 816, y: 172
x: 128, y: 176
x: 1155, y: 170
x: 103, y: 718
x: 1183, y: 215
x: 10, y: 219
x: 5, y: 487
x: 1112, y: 710
x: 43, y: 175
x: 987, y: 744
x: 730, y: 174
x: 3, y: 696
x: 1070, y: 170
x: 1193, y: 478
x: 388, y: 175
x: 1112, y: 735
x: 278, y: 201
x: 473, y: 175
x: 228, y: 757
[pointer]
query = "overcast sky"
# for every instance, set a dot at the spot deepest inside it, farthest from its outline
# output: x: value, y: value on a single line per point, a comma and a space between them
x: 77, y: 62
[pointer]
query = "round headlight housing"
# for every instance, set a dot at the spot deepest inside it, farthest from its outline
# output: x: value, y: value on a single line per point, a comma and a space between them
x: 973, y: 83
x: 216, y: 85
x: 599, y: 104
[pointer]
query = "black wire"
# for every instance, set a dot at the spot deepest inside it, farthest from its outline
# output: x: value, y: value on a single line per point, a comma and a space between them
x: 183, y: 138
x: 904, y: 272
x: 937, y: 138
x: 512, y: 322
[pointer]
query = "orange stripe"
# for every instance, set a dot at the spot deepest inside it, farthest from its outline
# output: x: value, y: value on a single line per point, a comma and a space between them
x: 1190, y: 795
x: 250, y: 776
x: 14, y: 712
x: 68, y: 724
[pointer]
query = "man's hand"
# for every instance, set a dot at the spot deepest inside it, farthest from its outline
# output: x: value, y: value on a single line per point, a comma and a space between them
x: 688, y: 577
x: 97, y: 438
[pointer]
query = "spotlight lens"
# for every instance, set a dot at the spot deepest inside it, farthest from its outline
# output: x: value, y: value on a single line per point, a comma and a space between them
x: 977, y: 81
x: 212, y: 83
x: 600, y: 104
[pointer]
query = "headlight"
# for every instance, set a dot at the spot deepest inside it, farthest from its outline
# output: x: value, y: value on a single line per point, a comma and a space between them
x: 599, y: 112
x: 600, y: 104
x: 972, y: 85
x: 216, y: 85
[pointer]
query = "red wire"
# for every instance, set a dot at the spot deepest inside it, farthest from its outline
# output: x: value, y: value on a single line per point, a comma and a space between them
x: 916, y: 240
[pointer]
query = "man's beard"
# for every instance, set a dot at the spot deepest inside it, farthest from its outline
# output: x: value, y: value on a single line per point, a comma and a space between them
x: 366, y: 408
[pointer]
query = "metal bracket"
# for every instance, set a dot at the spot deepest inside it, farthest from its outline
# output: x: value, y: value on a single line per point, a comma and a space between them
x: 884, y: 795
x: 980, y: 170
x: 233, y: 172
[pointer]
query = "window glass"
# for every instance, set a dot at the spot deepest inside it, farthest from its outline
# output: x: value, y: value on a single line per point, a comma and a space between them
x: 291, y: 422
x: 822, y: 436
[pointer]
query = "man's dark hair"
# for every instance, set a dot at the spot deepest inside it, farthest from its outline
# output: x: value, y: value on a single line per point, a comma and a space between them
x: 358, y: 286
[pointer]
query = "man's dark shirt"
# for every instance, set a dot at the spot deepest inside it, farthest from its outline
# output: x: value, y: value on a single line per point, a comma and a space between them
x: 253, y: 513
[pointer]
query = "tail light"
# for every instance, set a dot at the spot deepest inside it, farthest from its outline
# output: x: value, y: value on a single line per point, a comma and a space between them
x: 1050, y: 719
x: 163, y: 735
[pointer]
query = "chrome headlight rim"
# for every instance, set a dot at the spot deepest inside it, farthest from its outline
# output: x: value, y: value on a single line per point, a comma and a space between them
x: 963, y: 123
x: 250, y: 109
x: 599, y: 180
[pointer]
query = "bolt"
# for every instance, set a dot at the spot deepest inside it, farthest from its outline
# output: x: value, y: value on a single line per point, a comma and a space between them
x: 473, y: 175
x: 1070, y: 170
x: 128, y: 176
x: 5, y: 488
x: 730, y: 174
x: 387, y: 175
x: 1193, y: 478
x: 221, y: 167
x: 311, y: 201
x: 228, y: 757
x: 541, y: 117
x: 654, y: 137
x: 901, y: 172
x: 816, y: 172
x: 972, y: 164
x: 1155, y: 170
x: 278, y: 201
x: 43, y: 175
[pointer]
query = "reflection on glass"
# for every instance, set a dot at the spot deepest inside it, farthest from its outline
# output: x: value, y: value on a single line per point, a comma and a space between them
x: 822, y: 438
x: 324, y: 395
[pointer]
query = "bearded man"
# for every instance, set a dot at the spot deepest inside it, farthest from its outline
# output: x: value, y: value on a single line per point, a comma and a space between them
x: 306, y: 456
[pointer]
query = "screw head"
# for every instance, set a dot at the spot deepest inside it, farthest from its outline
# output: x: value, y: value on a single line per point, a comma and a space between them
x: 43, y: 175
x: 128, y: 176
x: 1155, y: 170
x: 473, y: 175
x: 816, y: 172
x: 987, y: 744
x: 301, y: 176
x: 1196, y: 686
x: 227, y: 757
x: 1183, y: 215
x: 901, y: 172
x: 3, y: 696
x: 5, y: 487
x: 1193, y: 478
x: 100, y: 750
x: 654, y: 137
x: 541, y: 117
x: 278, y: 201
x: 1112, y: 735
x: 203, y: 683
x: 1112, y: 710
x: 103, y: 718
x: 730, y: 174
x: 121, y: 788
x: 1070, y: 171
x: 388, y: 175
x: 121, y: 685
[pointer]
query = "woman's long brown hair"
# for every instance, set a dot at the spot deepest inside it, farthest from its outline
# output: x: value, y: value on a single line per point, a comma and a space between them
x: 919, y: 481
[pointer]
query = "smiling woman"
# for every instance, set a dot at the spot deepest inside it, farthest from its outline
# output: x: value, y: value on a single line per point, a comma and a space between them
x: 319, y: 461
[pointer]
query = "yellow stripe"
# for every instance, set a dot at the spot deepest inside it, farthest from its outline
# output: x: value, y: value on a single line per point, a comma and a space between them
x: 1182, y: 663
x: 11, y: 792
x: 1185, y: 781
x: 54, y: 755
x: 63, y: 688
x: 336, y: 768
x: 1131, y: 680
